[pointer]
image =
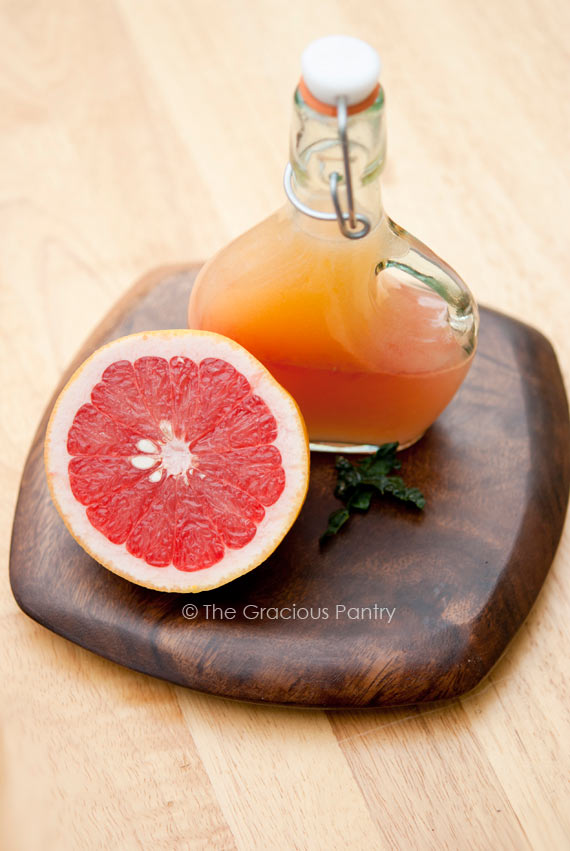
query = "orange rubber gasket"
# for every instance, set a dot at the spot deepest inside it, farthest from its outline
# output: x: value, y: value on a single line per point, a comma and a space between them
x: 330, y: 109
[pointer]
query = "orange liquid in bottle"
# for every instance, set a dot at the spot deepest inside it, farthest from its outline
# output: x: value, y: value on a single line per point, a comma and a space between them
x: 369, y: 358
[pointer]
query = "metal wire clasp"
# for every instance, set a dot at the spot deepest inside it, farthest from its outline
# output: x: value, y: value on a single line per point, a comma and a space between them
x: 351, y: 232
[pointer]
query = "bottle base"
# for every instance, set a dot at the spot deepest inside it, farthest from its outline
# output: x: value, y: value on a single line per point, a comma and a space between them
x: 356, y: 448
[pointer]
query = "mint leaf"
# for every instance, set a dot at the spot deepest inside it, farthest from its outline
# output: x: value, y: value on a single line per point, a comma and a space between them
x: 382, y: 462
x: 395, y: 486
x: 357, y: 484
x: 361, y: 499
x: 336, y: 520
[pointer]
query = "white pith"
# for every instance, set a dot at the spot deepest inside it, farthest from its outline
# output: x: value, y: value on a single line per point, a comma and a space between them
x: 291, y: 441
x: 172, y: 455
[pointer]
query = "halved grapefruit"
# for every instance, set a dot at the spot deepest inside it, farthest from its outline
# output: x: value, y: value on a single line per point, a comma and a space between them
x: 176, y: 460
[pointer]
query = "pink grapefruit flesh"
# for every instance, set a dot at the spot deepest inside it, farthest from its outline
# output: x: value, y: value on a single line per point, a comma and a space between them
x: 176, y: 460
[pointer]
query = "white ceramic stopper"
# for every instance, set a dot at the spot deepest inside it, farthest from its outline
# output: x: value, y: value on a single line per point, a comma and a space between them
x: 339, y: 65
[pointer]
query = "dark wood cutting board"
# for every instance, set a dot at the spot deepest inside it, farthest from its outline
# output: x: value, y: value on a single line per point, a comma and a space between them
x: 461, y: 577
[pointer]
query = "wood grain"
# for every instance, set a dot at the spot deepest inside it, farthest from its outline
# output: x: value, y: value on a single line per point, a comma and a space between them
x: 135, y: 134
x: 400, y: 608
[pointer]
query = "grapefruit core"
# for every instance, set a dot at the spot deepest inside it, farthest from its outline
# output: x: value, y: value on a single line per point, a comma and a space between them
x: 176, y: 460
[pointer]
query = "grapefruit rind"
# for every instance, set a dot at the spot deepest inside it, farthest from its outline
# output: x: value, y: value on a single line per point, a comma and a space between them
x: 292, y: 442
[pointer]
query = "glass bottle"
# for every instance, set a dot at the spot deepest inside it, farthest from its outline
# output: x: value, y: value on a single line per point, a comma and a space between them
x: 367, y: 328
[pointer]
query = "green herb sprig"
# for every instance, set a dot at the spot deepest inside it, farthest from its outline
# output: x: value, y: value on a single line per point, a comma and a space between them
x: 358, y: 483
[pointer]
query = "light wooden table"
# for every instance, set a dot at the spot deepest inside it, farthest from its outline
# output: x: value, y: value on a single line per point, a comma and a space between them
x: 141, y: 132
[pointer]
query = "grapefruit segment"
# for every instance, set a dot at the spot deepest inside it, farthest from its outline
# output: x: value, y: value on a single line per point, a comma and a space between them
x: 152, y: 376
x: 256, y: 470
x: 94, y: 433
x: 117, y: 513
x: 118, y: 396
x: 249, y: 423
x: 176, y: 460
x: 152, y: 538
x: 185, y: 397
x: 220, y: 389
x: 92, y: 478
x: 198, y: 543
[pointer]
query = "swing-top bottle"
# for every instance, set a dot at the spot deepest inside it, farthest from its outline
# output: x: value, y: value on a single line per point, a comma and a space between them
x: 367, y: 328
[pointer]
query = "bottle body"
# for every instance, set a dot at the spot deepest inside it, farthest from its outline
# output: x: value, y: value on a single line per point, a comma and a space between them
x: 372, y: 337
x: 370, y: 332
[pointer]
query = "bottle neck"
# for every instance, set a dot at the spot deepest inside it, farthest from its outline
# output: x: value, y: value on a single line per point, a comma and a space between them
x: 316, y: 152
